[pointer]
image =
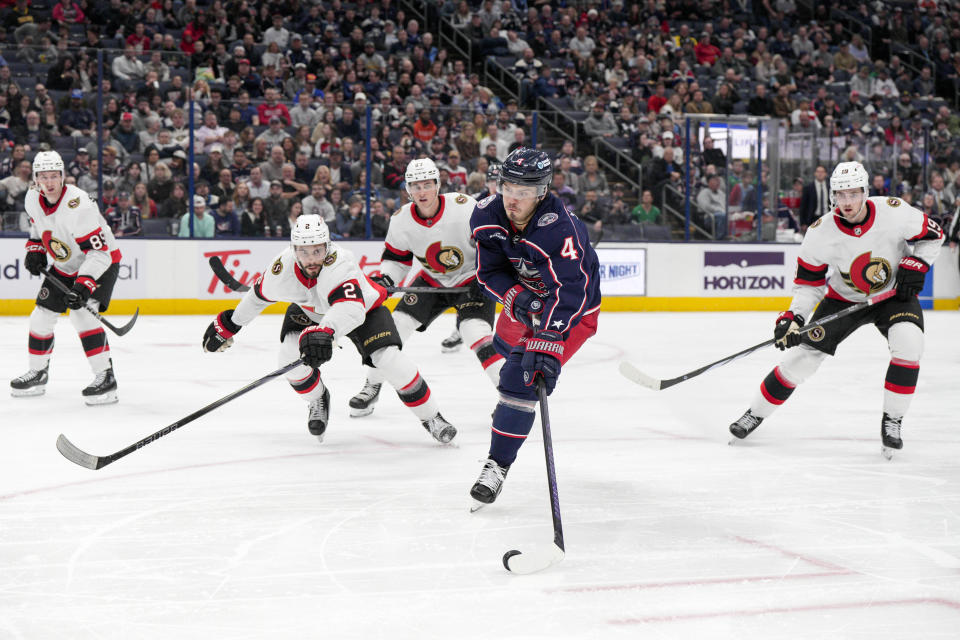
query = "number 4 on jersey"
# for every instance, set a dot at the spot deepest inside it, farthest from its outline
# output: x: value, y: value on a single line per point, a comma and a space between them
x: 568, y: 250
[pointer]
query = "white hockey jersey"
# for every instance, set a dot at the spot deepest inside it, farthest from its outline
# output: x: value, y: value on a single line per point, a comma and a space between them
x: 72, y: 231
x: 862, y: 259
x: 442, y: 245
x: 339, y: 297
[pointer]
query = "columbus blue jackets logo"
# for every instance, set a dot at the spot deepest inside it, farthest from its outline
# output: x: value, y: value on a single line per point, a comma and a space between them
x: 441, y: 259
x: 868, y: 274
x: 547, y: 218
x: 486, y: 200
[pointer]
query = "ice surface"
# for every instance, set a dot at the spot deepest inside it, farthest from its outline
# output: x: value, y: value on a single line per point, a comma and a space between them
x: 240, y: 525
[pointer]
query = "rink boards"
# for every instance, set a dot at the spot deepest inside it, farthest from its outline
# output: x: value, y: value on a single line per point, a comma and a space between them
x: 172, y: 276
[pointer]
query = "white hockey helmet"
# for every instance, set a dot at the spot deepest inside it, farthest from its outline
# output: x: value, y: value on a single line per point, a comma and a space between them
x: 309, y: 229
x: 48, y: 161
x: 421, y: 169
x: 848, y: 175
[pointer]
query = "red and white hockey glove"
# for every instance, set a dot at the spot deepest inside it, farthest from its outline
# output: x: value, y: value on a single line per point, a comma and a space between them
x: 83, y: 288
x: 316, y: 346
x: 520, y: 304
x: 911, y: 274
x: 219, y: 335
x: 786, y: 333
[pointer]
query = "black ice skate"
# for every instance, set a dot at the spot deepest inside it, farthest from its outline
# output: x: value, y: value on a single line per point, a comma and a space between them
x: 32, y: 383
x: 362, y: 403
x: 488, y: 485
x: 319, y: 415
x: 890, y: 435
x: 452, y: 343
x: 103, y: 389
x: 441, y: 430
x: 745, y: 425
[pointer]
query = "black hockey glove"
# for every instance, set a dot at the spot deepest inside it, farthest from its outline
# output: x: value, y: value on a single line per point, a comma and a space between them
x: 83, y: 288
x: 36, y: 257
x: 911, y: 274
x: 520, y: 304
x: 219, y: 335
x: 542, y: 357
x: 786, y: 332
x: 316, y: 346
x: 383, y: 280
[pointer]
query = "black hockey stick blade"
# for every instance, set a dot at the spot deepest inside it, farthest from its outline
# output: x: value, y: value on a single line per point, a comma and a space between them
x: 427, y: 289
x: 224, y: 276
x: 77, y: 456
x: 632, y: 373
x: 120, y: 331
x: 523, y: 563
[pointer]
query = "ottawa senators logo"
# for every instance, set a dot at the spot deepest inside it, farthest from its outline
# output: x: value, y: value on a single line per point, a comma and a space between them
x: 816, y: 222
x: 73, y: 204
x: 441, y: 259
x: 276, y: 267
x: 410, y: 299
x: 817, y: 334
x: 867, y: 274
x: 460, y: 199
x: 330, y: 259
x: 893, y: 202
x: 59, y: 249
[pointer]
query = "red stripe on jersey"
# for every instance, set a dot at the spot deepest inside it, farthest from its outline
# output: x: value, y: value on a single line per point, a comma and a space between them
x: 115, y: 256
x: 302, y: 277
x: 89, y: 235
x: 382, y: 293
x: 857, y: 230
x: 397, y: 255
x: 833, y: 295
x: 812, y: 267
x: 427, y: 222
x: 896, y: 388
x: 810, y: 283
x: 50, y: 208
x: 783, y: 381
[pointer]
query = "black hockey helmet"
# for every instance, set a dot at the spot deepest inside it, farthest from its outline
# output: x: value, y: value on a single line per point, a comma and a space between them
x: 528, y: 167
x: 493, y: 172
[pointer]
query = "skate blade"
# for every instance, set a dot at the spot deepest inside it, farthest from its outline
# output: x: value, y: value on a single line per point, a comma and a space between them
x: 887, y: 452
x: 446, y: 436
x: 26, y: 393
x: 359, y: 413
x: 451, y: 349
x: 477, y: 505
x: 109, y: 397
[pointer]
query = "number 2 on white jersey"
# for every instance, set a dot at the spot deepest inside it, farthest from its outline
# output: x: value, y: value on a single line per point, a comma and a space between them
x: 568, y: 250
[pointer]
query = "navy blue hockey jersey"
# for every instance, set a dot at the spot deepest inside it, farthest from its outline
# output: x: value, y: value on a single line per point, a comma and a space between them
x: 552, y: 257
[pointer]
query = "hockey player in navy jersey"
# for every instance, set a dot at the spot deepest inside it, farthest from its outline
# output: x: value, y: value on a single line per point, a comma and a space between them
x: 535, y: 258
x: 869, y: 246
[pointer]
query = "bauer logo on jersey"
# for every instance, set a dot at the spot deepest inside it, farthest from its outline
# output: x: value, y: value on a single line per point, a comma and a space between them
x: 547, y: 218
x: 460, y: 199
x: 73, y: 204
x: 441, y: 259
x: 867, y: 274
x: 277, y: 267
x: 486, y: 200
x: 893, y: 202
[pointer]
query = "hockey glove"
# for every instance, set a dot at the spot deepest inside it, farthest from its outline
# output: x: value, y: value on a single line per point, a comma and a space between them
x: 542, y: 357
x: 383, y: 280
x: 316, y: 346
x: 219, y: 335
x: 911, y: 274
x: 786, y: 333
x: 520, y: 304
x: 83, y: 288
x: 36, y: 257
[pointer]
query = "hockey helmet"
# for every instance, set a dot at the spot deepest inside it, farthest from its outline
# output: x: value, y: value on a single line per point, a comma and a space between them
x: 309, y: 229
x: 848, y: 175
x: 528, y: 167
x: 421, y: 169
x: 493, y: 172
x: 47, y: 161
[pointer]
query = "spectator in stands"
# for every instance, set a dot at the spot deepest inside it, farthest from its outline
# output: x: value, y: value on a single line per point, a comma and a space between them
x: 317, y: 204
x: 123, y: 218
x: 142, y: 200
x: 815, y: 199
x: 128, y: 69
x: 712, y: 201
x: 275, y: 208
x: 646, y: 210
x: 698, y: 104
x: 760, y: 103
x: 252, y: 223
x: 593, y: 178
x: 32, y: 134
x: 14, y: 187
x: 202, y: 221
x: 600, y: 122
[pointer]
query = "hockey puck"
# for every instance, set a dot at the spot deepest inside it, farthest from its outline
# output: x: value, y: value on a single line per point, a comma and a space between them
x: 507, y: 556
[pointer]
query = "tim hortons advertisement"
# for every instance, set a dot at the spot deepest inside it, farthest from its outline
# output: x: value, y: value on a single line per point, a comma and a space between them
x: 749, y: 271
x: 623, y: 272
x: 246, y: 261
x: 16, y: 283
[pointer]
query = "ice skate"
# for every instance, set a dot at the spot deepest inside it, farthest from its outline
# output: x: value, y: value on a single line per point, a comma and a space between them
x: 362, y: 404
x: 745, y: 425
x: 452, y: 343
x: 441, y: 430
x: 103, y: 389
x: 319, y: 414
x: 890, y: 436
x: 487, y: 487
x: 32, y: 383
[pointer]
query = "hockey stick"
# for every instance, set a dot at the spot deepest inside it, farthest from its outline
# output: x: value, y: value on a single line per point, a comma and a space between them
x: 232, y: 283
x: 530, y: 562
x: 634, y: 374
x: 120, y: 331
x: 74, y: 454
